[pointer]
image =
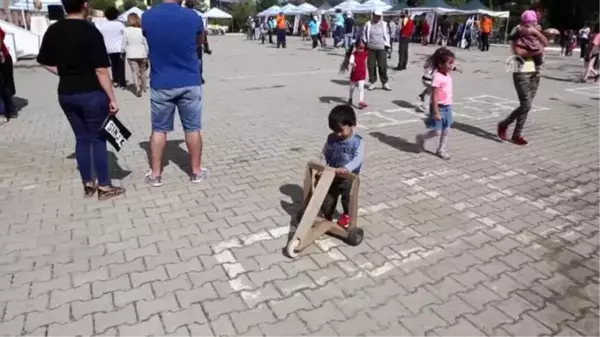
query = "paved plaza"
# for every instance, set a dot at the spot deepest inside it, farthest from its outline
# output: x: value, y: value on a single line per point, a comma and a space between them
x: 500, y: 240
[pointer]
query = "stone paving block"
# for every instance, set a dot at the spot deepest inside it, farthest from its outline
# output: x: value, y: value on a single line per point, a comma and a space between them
x: 216, y: 308
x: 259, y: 278
x: 462, y: 328
x: 147, y: 308
x: 413, y: 280
x: 551, y: 316
x: 101, y: 304
x: 291, y: 269
x: 195, y: 295
x: 326, y: 313
x: 83, y: 327
x: 35, y: 319
x: 246, y: 319
x: 319, y: 295
x: 122, y: 298
x: 289, y: 286
x: 202, y: 277
x: 13, y: 327
x: 494, y: 268
x: 504, y: 286
x: 16, y: 308
x: 37, y: 275
x: 324, y: 275
x: 254, y: 297
x: 221, y: 326
x: 283, y: 308
x: 418, y: 300
x: 151, y: 327
x: 101, y: 287
x: 291, y: 326
x: 526, y: 326
x: 478, y: 297
x: 354, y: 303
x: 445, y: 288
x: 91, y: 276
x: 452, y: 309
x: 489, y: 319
x: 103, y: 321
x: 42, y: 287
x: 422, y: 322
x: 359, y: 324
x: 173, y: 320
x: 117, y: 270
x: 153, y: 275
x: 387, y: 313
x: 107, y: 259
x: 587, y: 325
x: 163, y: 287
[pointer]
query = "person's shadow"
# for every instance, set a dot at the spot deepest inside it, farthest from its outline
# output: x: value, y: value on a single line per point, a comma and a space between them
x: 332, y: 99
x: 475, y: 131
x: 340, y: 82
x: 114, y: 169
x: 396, y: 142
x: 172, y: 153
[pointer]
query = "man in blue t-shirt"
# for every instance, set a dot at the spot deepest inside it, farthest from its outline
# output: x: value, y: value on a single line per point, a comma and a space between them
x: 173, y: 34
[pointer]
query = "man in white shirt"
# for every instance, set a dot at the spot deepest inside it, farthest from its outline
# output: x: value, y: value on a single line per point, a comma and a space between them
x: 584, y: 39
x: 112, y: 31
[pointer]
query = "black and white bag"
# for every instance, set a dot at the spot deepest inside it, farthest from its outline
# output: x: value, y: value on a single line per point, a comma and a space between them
x: 116, y: 133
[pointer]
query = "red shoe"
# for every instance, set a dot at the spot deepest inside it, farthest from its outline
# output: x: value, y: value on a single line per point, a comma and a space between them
x: 344, y: 220
x: 362, y: 105
x: 519, y: 140
x: 502, y: 132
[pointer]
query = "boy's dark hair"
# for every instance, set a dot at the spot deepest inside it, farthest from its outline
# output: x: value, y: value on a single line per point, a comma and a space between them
x: 111, y: 13
x: 190, y: 4
x: 73, y: 6
x: 341, y: 115
x: 440, y: 57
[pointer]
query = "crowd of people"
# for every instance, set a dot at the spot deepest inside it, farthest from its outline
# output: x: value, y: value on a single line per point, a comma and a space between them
x: 171, y: 39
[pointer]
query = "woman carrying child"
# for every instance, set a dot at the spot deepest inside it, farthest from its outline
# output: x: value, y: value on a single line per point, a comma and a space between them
x: 440, y: 115
x: 356, y: 62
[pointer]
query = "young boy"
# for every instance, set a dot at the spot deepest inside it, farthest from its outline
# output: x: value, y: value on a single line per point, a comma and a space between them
x: 344, y: 151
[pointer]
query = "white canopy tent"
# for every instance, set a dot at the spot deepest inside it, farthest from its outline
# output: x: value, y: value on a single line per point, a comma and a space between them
x: 306, y: 8
x: 271, y: 11
x: 215, y: 13
x: 29, y: 6
x: 124, y: 15
x: 288, y: 9
x: 370, y: 6
x: 348, y: 5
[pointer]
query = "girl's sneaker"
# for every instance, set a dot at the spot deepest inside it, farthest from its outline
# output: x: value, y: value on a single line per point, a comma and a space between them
x: 199, y: 177
x: 344, y: 220
x: 443, y: 154
x: 362, y: 105
x: 152, y: 181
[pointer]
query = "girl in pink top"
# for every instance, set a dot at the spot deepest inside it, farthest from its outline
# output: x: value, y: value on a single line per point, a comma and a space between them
x: 440, y: 114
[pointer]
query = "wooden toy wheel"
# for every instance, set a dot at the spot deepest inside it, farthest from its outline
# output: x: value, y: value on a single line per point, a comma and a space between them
x: 355, y: 236
x: 291, y: 248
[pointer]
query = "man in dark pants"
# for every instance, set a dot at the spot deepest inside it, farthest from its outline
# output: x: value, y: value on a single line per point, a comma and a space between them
x: 377, y: 39
x: 486, y: 29
x: 406, y: 31
x: 281, y: 26
x: 200, y: 50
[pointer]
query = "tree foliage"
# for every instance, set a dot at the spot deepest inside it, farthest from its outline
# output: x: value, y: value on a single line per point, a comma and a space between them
x: 261, y: 5
x: 241, y: 11
x: 102, y: 4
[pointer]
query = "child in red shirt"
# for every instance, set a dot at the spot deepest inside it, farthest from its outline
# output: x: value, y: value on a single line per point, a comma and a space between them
x: 356, y: 62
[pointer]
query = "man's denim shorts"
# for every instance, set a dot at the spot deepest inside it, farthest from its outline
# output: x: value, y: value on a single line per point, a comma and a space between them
x: 187, y: 100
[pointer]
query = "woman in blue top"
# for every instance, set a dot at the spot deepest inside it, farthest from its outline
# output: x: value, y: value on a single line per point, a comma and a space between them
x: 313, y: 31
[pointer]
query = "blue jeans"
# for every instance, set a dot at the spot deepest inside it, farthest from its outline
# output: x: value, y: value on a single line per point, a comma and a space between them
x: 445, y: 122
x: 86, y: 112
x: 187, y: 100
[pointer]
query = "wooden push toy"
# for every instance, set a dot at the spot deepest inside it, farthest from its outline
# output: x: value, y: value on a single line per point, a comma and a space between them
x: 312, y: 225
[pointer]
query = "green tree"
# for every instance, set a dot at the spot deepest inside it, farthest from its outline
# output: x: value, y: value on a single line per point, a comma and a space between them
x: 261, y: 5
x: 240, y: 12
x: 102, y: 4
x: 128, y: 4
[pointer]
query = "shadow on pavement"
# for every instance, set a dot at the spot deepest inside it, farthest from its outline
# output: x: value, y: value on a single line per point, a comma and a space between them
x: 396, y: 142
x: 173, y: 153
x: 405, y: 104
x: 19, y: 103
x: 114, y: 169
x: 559, y: 79
x: 475, y: 131
x: 332, y: 99
x: 341, y: 82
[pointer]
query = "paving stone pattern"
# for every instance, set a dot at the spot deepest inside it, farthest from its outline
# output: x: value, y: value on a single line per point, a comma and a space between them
x: 499, y: 240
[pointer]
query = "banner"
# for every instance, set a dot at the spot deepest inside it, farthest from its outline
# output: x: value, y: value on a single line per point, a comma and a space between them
x: 116, y: 133
x: 430, y: 18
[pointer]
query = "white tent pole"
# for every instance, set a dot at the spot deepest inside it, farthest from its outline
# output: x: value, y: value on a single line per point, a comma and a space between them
x: 23, y: 14
x: 506, y: 30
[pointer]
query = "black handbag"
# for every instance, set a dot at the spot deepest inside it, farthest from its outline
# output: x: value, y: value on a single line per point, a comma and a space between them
x: 116, y: 133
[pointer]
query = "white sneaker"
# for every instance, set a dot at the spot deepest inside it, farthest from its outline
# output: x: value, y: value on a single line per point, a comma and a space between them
x: 371, y: 87
x: 387, y: 87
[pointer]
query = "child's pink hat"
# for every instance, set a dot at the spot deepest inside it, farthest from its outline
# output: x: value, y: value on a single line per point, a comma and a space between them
x: 529, y: 16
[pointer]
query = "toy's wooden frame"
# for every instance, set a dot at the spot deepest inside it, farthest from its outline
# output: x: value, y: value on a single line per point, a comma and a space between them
x: 312, y: 226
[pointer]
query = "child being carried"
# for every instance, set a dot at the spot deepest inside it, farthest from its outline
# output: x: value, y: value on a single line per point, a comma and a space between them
x: 528, y: 37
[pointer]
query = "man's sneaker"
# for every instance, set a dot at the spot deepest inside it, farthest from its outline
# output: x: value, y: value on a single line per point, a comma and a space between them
x: 197, y: 178
x: 371, y: 87
x: 420, y: 141
x: 519, y: 140
x: 387, y: 87
x: 350, y: 102
x: 362, y: 105
x: 344, y: 220
x: 502, y: 132
x: 152, y: 181
x: 443, y: 154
